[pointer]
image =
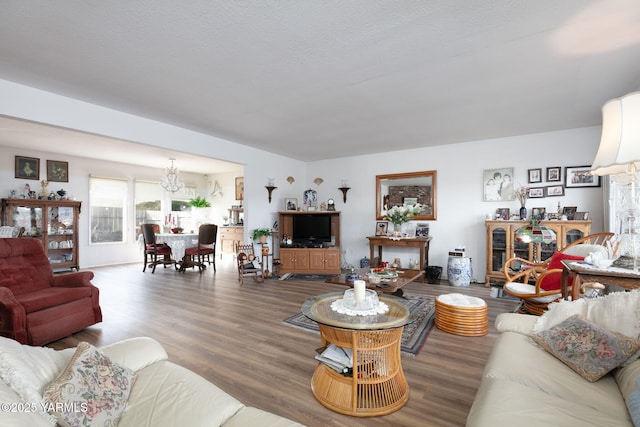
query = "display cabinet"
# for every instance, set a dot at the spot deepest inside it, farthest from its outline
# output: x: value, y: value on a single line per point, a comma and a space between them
x: 502, y: 245
x: 53, y: 222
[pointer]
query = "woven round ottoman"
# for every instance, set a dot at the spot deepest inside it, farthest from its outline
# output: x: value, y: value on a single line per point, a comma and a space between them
x: 462, y: 315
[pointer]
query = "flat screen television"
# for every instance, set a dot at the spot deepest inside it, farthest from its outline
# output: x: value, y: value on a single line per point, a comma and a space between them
x: 311, y: 228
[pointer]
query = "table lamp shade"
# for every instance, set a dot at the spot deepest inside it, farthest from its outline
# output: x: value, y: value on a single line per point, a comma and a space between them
x: 535, y: 233
x: 619, y: 150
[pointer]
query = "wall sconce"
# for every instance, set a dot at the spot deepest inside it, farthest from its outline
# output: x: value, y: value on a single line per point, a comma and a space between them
x: 270, y: 187
x: 344, y: 190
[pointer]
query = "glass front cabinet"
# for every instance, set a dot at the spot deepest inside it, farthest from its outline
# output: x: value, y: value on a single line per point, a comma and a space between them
x: 53, y: 222
x: 502, y: 245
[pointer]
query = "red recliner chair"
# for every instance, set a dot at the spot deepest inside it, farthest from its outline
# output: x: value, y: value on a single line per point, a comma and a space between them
x: 36, y: 306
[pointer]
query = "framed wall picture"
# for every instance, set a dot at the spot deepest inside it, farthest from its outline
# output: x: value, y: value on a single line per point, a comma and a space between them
x: 536, y: 192
x: 502, y: 213
x: 381, y: 228
x: 554, y: 190
x: 539, y: 213
x: 580, y: 176
x: 498, y: 185
x: 422, y: 230
x: 570, y: 212
x: 554, y: 174
x: 291, y: 204
x: 57, y: 171
x: 409, y: 201
x: 27, y: 168
x: 240, y: 188
x: 535, y: 175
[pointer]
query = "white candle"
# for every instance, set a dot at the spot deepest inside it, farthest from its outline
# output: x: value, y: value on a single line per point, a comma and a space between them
x: 358, y: 290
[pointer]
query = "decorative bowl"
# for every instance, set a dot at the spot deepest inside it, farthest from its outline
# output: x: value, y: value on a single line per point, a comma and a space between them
x: 177, y: 230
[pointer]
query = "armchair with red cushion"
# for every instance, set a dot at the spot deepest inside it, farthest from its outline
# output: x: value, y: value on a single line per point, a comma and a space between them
x: 539, y: 284
x: 36, y: 306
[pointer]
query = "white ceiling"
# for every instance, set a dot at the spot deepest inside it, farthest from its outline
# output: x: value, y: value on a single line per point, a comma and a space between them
x: 322, y: 79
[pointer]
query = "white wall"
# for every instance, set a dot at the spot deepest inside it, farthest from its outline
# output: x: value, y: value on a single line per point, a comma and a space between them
x: 461, y: 210
x: 460, y: 205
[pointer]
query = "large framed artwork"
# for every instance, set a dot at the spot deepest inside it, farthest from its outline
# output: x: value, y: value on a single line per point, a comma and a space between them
x: 498, y: 185
x: 27, y: 168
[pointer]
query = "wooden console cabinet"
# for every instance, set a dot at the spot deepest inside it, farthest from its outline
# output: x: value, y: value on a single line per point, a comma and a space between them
x: 502, y: 245
x: 309, y: 260
x: 53, y: 222
x: 229, y: 237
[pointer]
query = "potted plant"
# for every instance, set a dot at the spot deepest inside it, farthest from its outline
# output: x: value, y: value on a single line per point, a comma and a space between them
x: 261, y: 234
x: 199, y: 202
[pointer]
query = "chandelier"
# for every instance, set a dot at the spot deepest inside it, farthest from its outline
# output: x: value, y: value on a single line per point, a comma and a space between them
x: 172, y: 181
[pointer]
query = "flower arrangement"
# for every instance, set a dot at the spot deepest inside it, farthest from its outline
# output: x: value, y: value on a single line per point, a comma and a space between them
x: 402, y: 214
x: 522, y: 194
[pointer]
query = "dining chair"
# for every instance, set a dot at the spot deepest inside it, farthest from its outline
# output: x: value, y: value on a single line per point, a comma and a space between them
x: 205, y: 250
x: 155, y: 253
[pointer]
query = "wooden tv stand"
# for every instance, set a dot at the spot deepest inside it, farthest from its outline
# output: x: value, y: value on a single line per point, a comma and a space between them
x: 325, y: 260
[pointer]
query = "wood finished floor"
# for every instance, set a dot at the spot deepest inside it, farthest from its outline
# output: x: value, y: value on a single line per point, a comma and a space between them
x: 234, y: 336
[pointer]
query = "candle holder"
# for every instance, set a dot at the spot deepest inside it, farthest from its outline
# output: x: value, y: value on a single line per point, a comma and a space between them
x: 270, y: 189
x: 344, y: 193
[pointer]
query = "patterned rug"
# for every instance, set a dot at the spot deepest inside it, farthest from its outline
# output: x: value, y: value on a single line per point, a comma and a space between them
x: 320, y: 277
x: 414, y: 334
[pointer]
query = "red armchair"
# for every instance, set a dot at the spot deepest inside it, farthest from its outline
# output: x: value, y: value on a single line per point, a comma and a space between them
x: 36, y: 306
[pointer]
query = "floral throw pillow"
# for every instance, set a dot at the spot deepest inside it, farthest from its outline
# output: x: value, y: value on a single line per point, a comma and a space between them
x: 588, y: 349
x: 91, y: 391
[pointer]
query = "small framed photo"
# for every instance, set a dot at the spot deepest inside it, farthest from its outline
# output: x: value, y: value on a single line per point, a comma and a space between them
x: 291, y: 204
x: 381, y: 228
x: 581, y: 216
x: 57, y: 171
x: 539, y: 213
x: 502, y: 213
x: 580, y: 176
x: 535, y: 175
x: 27, y: 168
x: 422, y: 230
x: 554, y: 174
x: 536, y: 192
x: 570, y: 212
x: 240, y: 188
x: 554, y: 190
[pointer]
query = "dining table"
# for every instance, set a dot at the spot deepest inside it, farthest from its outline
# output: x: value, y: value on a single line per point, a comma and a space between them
x: 179, y: 242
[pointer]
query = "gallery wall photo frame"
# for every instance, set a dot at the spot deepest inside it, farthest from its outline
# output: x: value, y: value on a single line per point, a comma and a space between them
x: 554, y: 190
x: 534, y: 176
x: 27, y: 168
x: 57, y: 171
x: 554, y: 174
x: 290, y: 204
x: 579, y: 177
x: 536, y: 192
x: 498, y: 185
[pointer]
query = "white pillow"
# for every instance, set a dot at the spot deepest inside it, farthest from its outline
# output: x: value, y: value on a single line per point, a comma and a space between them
x: 28, y: 369
x: 618, y: 312
x: 583, y: 250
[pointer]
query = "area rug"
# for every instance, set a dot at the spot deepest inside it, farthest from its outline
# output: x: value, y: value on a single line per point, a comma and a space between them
x: 321, y: 277
x: 414, y: 334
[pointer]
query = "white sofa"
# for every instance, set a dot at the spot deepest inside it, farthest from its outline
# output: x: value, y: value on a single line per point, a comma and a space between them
x: 163, y: 394
x: 523, y: 384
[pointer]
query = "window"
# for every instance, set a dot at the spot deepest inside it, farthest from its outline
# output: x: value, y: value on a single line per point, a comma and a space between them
x: 148, y: 203
x: 107, y: 209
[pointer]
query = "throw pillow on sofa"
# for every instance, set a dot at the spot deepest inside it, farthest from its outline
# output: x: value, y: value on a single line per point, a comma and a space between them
x: 585, y: 347
x: 92, y: 389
